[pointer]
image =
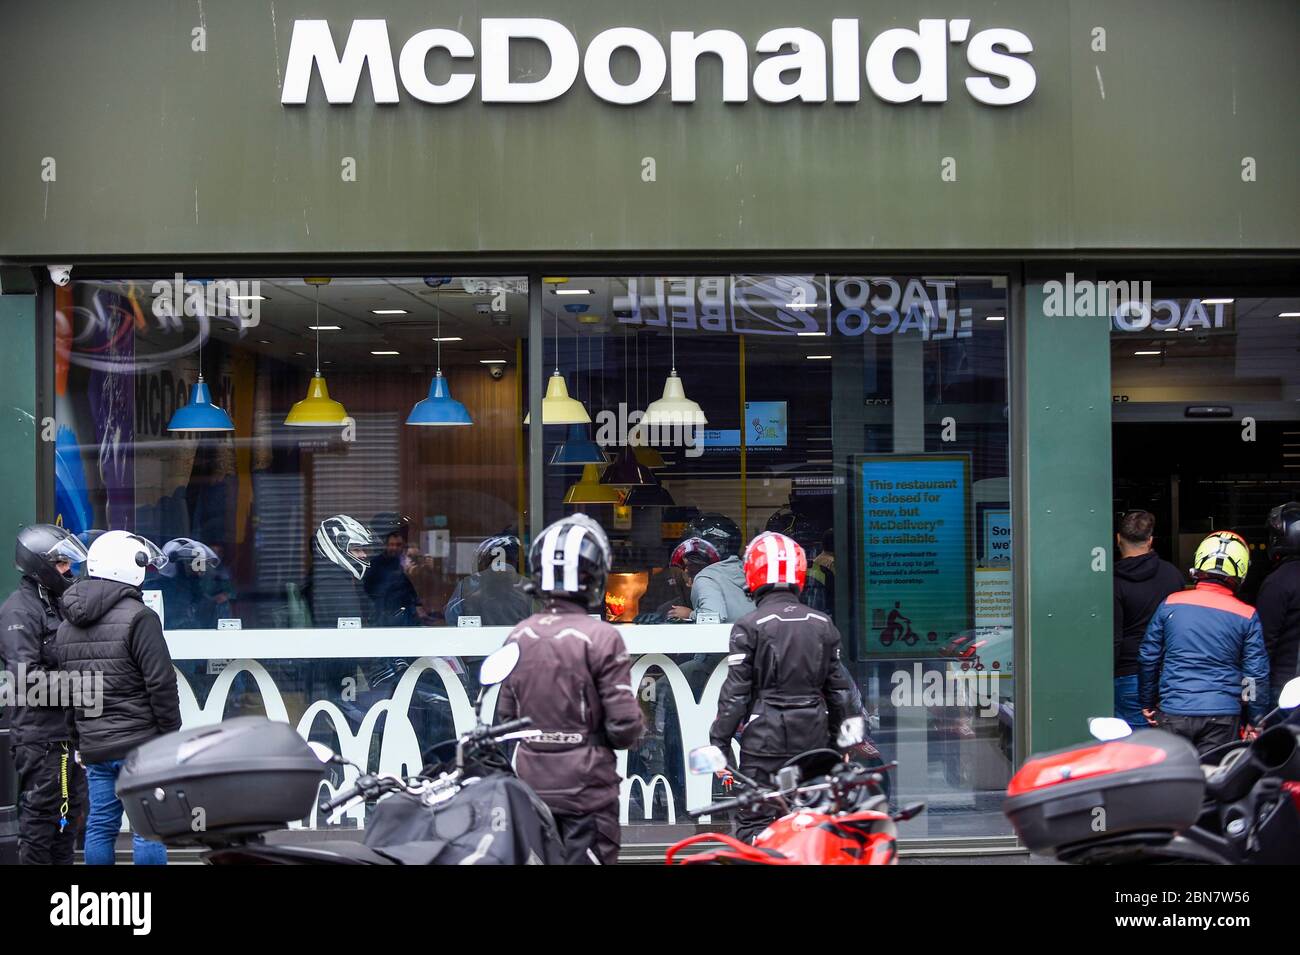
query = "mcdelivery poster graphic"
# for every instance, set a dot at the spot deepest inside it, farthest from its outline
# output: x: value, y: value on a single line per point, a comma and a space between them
x: 916, y: 550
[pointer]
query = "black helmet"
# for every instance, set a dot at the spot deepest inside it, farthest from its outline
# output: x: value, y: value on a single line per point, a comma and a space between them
x: 39, y: 547
x: 1284, y: 531
x: 497, y: 553
x: 571, y: 559
x: 719, y: 530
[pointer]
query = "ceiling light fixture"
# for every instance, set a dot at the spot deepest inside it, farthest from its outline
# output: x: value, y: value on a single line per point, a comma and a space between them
x: 318, y: 409
x: 674, y: 408
x: 440, y: 409
x: 200, y: 414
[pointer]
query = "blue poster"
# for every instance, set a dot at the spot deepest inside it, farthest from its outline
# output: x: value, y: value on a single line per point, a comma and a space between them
x: 915, y: 558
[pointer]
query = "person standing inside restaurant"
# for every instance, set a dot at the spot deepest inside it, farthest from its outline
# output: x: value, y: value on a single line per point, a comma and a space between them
x: 1142, y: 581
x: 1278, y: 602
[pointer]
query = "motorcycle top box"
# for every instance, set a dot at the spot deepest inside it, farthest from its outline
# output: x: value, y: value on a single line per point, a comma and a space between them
x: 1149, y: 782
x: 245, y: 776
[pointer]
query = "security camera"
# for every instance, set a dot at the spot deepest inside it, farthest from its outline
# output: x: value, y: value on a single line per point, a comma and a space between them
x: 497, y: 371
x: 60, y: 275
x: 483, y: 308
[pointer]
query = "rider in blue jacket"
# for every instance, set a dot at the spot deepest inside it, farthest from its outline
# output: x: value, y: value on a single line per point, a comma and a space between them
x: 1203, y: 653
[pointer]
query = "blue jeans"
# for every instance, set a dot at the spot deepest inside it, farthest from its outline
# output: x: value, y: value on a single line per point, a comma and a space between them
x: 1127, y: 707
x: 105, y: 820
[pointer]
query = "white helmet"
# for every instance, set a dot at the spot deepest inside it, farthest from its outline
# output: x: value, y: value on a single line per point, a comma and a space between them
x: 339, y: 538
x: 123, y: 556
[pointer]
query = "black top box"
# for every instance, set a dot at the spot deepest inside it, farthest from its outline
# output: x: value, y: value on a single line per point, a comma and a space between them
x: 201, y: 785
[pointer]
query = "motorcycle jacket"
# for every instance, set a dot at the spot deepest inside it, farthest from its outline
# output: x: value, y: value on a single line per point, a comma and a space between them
x: 29, y: 621
x: 574, y: 680
x: 785, y: 684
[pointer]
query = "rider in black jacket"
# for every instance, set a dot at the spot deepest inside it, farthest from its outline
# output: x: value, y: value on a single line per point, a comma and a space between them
x: 51, y: 786
x: 1278, y: 602
x: 786, y: 690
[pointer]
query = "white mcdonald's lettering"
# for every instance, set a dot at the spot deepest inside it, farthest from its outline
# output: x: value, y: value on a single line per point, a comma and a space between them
x: 791, y: 63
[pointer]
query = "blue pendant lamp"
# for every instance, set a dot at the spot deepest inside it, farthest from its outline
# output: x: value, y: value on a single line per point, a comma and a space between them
x: 440, y: 409
x: 578, y: 448
x: 200, y: 414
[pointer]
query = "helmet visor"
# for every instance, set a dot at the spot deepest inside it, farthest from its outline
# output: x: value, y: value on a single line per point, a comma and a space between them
x: 154, y: 557
x: 69, y: 549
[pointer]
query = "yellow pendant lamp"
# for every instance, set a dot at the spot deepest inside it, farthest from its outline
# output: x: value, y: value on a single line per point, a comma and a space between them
x: 589, y: 490
x: 318, y: 409
x: 557, y: 406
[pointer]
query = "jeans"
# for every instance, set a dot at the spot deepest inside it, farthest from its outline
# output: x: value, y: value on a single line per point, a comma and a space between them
x: 1127, y: 707
x: 1203, y: 732
x: 105, y: 821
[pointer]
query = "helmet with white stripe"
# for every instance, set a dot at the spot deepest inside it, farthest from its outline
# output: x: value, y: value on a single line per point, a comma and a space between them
x: 571, y: 559
x: 774, y: 561
x: 344, y: 541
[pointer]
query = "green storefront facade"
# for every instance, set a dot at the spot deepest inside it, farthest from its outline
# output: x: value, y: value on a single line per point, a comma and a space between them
x: 1145, y: 142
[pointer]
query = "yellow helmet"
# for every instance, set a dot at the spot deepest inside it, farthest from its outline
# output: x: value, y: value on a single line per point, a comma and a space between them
x: 1223, y: 554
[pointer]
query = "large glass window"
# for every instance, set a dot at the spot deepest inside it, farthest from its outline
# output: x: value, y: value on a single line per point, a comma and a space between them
x: 1205, y: 388
x: 867, y: 417
x: 344, y: 566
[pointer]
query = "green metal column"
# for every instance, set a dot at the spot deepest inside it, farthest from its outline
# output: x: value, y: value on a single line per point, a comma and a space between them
x: 19, y: 430
x: 1064, y: 538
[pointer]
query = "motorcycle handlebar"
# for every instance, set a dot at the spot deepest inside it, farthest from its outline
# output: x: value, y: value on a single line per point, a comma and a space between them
x: 510, y: 726
x: 725, y: 806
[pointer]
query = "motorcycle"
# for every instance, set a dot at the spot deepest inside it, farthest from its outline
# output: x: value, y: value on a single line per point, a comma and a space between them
x: 1145, y: 797
x: 251, y: 776
x: 839, y: 817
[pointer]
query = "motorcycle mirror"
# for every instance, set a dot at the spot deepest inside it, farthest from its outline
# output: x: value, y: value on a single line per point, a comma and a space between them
x: 323, y: 752
x: 852, y: 732
x: 1289, y: 698
x: 498, y: 665
x: 1107, y: 728
x: 707, y: 759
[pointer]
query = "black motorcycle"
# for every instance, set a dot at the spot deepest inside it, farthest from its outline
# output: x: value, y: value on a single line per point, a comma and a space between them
x: 227, y: 787
x: 1145, y: 796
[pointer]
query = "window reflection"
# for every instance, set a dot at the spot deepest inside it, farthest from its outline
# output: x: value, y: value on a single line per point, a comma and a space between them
x: 686, y: 414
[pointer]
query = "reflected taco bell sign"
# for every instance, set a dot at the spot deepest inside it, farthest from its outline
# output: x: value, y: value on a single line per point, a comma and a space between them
x: 793, y: 63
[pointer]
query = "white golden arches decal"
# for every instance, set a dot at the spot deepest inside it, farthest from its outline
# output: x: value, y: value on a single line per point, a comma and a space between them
x: 399, y: 747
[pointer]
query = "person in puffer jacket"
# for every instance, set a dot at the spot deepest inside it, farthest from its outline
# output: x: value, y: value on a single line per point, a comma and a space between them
x: 108, y: 630
x: 787, y: 690
x: 1203, y: 654
x: 574, y: 680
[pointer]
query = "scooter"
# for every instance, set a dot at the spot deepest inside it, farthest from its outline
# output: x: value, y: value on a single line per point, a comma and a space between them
x: 470, y: 810
x: 839, y: 818
x: 1145, y: 797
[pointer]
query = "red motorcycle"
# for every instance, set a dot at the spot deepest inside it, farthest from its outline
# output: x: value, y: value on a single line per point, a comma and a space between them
x: 839, y: 818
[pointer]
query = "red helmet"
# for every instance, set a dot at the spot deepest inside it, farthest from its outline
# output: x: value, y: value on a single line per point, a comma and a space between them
x: 774, y: 560
x: 697, y: 549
